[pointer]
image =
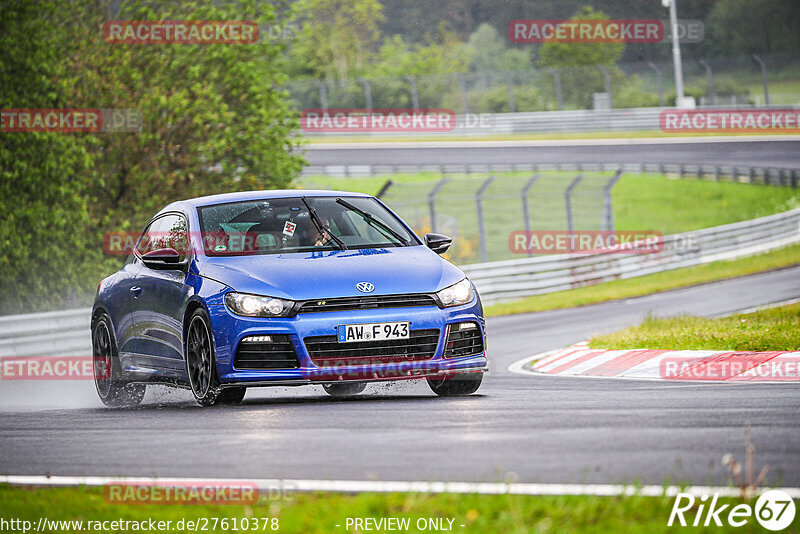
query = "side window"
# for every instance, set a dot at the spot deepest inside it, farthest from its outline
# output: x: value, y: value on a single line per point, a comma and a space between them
x: 169, y: 231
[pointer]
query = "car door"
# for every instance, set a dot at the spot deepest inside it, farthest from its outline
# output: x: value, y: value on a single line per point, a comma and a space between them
x: 162, y: 299
x: 121, y: 307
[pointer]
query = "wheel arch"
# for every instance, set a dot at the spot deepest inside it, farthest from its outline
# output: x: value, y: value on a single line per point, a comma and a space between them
x: 195, y: 303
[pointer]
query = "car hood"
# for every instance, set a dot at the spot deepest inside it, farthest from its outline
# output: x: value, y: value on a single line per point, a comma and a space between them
x: 301, y: 276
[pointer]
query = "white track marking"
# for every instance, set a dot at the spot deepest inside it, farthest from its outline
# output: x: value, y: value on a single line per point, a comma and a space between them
x: 358, y: 486
x: 551, y: 142
x: 759, y: 308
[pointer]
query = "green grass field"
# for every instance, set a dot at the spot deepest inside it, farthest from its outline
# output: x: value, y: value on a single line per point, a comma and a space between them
x: 785, y: 92
x: 645, y: 202
x: 764, y: 330
x: 321, y: 513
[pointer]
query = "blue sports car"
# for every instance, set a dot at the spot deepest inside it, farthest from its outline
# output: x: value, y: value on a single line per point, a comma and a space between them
x: 284, y: 288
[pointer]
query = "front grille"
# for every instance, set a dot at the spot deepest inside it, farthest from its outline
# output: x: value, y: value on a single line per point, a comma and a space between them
x: 365, y: 303
x: 279, y: 353
x: 463, y: 342
x: 326, y: 350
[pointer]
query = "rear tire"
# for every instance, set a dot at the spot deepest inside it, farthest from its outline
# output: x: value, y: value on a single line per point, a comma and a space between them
x: 112, y: 388
x: 339, y: 389
x: 456, y: 385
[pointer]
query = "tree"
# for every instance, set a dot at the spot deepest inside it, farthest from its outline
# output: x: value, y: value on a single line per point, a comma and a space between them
x: 44, y: 250
x: 555, y: 54
x: 214, y: 120
x: 754, y: 26
x: 490, y: 52
x: 337, y: 37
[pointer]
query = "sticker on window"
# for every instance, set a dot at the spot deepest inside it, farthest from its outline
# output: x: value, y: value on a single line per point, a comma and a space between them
x: 288, y: 228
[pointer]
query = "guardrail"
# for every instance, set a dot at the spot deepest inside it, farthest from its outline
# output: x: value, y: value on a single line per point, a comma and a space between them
x: 61, y: 333
x: 512, y: 279
x: 67, y: 332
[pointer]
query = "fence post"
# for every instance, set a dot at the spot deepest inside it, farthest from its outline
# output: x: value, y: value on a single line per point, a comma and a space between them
x: 760, y: 62
x: 525, y: 212
x: 557, y: 84
x: 432, y: 201
x: 568, y: 206
x: 414, y: 94
x: 608, y: 208
x: 481, y: 224
x: 463, y: 88
x: 385, y: 188
x: 712, y: 99
x: 367, y: 92
x: 607, y: 79
x: 660, y: 83
x: 323, y: 95
x: 512, y: 106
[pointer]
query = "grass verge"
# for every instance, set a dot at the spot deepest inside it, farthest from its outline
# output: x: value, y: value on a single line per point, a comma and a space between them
x: 653, y: 283
x: 764, y: 330
x: 641, y: 201
x: 317, y: 512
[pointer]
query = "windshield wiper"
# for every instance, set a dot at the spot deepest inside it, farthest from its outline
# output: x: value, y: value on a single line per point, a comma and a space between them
x: 373, y: 221
x: 320, y: 227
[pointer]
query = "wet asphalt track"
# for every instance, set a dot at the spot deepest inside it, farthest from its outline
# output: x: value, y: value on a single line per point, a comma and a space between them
x: 752, y: 153
x: 539, y: 428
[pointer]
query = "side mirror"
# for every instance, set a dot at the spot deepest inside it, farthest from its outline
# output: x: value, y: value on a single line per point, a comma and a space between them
x: 164, y: 259
x: 438, y: 243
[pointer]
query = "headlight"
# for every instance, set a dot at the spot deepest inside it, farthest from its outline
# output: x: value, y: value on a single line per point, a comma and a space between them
x: 456, y: 295
x: 257, y: 306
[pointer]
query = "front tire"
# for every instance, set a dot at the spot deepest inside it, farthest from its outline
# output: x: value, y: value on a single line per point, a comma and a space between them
x: 456, y: 385
x: 112, y: 388
x: 200, y: 361
x: 340, y: 389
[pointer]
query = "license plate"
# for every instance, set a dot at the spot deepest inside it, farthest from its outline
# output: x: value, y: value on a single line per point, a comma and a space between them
x: 373, y: 331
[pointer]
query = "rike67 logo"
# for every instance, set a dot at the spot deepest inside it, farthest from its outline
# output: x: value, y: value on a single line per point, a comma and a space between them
x: 774, y: 510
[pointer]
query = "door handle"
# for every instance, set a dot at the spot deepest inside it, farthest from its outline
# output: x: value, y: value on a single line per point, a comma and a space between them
x: 136, y: 290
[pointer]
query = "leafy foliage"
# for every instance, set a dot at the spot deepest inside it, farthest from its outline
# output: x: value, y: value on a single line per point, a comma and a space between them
x: 42, y: 175
x: 214, y: 120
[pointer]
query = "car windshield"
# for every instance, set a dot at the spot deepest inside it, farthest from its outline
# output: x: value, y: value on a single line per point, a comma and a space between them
x: 299, y: 224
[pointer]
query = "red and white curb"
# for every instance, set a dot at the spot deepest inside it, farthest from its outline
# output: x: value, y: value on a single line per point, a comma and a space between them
x: 694, y: 365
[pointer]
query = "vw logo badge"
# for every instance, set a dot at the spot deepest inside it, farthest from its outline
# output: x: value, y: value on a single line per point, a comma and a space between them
x: 365, y: 287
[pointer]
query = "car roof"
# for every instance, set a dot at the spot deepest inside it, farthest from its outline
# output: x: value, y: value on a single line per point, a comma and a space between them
x: 258, y: 195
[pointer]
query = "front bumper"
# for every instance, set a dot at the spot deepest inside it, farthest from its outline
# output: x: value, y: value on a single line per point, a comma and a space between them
x: 229, y: 329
